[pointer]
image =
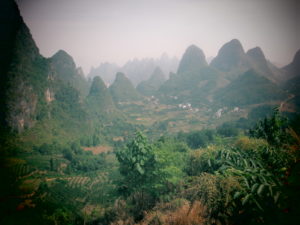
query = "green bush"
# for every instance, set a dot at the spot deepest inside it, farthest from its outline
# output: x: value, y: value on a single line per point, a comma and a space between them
x: 272, y: 129
x: 197, y: 139
x: 227, y: 130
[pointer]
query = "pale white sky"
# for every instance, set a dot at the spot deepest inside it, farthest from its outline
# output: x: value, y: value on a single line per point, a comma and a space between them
x: 95, y: 31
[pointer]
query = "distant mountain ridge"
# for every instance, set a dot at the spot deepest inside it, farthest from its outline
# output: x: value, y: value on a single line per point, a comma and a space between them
x: 99, y: 98
x: 194, y: 82
x: 198, y: 82
x: 233, y: 61
x: 38, y: 92
x: 106, y: 71
x: 233, y: 77
x: 122, y: 89
x: 136, y: 70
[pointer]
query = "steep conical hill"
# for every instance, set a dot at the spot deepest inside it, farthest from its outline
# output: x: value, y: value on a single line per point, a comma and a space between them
x: 66, y: 71
x: 194, y: 82
x: 293, y: 69
x: 233, y: 61
x: 192, y: 60
x: 258, y: 62
x: 98, y: 87
x: 293, y: 73
x: 106, y: 119
x: 99, y: 98
x: 151, y: 86
x: 231, y: 58
x: 24, y: 71
x: 34, y: 102
x: 122, y: 89
x: 63, y: 60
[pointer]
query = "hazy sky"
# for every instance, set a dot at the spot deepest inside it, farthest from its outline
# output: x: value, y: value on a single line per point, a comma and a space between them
x: 95, y: 31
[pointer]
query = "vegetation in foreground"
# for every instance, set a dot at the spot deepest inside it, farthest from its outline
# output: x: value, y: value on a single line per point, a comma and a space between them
x: 216, y: 176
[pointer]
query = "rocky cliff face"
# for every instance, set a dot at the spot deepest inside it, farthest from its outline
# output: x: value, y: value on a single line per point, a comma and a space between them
x: 22, y: 107
x: 23, y: 73
x: 29, y: 82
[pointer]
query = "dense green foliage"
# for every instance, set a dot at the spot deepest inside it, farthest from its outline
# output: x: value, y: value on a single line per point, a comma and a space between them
x: 197, y: 139
x: 218, y: 176
x: 137, y: 164
x: 272, y: 129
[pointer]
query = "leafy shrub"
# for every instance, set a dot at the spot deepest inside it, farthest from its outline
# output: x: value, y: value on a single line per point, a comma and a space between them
x: 46, y: 149
x: 197, y: 139
x: 215, y: 192
x: 272, y: 129
x: 254, y: 170
x: 76, y: 148
x: 137, y: 164
x: 87, y: 163
x: 67, y: 153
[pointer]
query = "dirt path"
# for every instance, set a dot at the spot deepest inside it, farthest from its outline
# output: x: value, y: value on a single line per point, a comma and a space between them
x: 98, y: 149
x: 32, y: 173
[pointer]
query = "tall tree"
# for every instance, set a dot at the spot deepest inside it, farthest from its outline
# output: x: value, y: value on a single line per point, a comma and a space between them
x: 137, y: 165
